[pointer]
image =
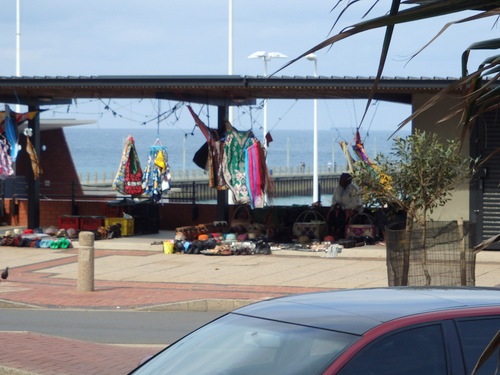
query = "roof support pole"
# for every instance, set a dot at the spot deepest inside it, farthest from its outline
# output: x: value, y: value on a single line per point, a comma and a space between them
x: 34, y: 185
x: 222, y: 196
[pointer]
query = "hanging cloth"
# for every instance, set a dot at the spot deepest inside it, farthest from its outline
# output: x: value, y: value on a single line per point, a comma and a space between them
x: 258, y: 179
x: 359, y: 150
x: 10, y: 121
x: 11, y: 134
x: 235, y: 147
x: 35, y: 162
x: 128, y: 179
x: 210, y: 155
x: 157, y: 176
x: 6, y: 169
x: 347, y: 154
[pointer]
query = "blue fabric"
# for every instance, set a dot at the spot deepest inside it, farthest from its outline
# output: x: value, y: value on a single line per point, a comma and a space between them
x: 10, y: 134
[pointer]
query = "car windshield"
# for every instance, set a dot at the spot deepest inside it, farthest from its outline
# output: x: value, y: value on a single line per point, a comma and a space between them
x: 242, y: 345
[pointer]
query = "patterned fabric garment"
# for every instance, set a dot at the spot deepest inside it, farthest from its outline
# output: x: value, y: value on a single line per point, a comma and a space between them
x: 234, y: 163
x: 6, y: 169
x: 157, y: 176
x: 215, y: 154
x: 128, y: 179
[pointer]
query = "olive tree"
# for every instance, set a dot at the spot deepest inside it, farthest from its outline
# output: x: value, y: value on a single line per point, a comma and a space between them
x: 417, y: 176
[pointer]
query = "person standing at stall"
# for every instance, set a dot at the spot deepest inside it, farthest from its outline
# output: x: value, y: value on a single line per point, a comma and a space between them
x: 346, y: 202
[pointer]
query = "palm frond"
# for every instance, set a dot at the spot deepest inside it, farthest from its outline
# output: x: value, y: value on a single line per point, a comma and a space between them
x: 425, y: 10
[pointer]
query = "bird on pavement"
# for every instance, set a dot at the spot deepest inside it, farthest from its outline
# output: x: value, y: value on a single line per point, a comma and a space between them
x: 5, y: 273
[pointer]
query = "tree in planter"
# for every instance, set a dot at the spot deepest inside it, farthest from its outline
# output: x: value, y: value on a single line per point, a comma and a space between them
x: 417, y: 176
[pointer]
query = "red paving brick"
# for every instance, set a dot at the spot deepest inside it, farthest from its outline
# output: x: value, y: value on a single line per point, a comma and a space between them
x: 37, y: 288
x: 47, y: 355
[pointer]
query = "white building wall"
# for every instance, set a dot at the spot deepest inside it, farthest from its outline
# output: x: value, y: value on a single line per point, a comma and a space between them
x: 458, y: 206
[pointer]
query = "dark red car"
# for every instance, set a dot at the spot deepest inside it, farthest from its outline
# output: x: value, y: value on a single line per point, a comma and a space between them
x: 382, y: 331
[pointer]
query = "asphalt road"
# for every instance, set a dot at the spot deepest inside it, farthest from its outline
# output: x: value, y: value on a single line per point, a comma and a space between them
x: 108, y: 327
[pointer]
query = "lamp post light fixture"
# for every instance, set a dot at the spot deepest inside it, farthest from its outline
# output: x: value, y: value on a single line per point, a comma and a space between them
x: 313, y: 57
x: 266, y: 56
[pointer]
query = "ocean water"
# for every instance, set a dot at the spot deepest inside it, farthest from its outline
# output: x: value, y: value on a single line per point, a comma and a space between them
x: 99, y: 150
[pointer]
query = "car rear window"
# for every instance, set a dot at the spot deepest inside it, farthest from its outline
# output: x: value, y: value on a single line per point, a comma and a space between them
x: 415, y: 351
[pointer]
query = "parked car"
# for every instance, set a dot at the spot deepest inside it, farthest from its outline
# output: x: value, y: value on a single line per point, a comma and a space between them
x: 380, y: 331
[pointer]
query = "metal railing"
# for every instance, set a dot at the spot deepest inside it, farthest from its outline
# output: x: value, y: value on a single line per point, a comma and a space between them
x: 200, y: 174
x: 188, y: 191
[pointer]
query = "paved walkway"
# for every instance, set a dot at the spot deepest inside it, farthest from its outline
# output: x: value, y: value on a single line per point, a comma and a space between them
x: 134, y: 273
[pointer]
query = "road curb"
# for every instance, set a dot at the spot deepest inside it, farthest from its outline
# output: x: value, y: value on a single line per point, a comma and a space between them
x: 6, y: 304
x: 12, y: 371
x: 212, y: 304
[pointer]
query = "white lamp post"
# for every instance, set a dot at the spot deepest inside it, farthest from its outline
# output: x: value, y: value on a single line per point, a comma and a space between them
x: 18, y: 45
x: 230, y: 60
x: 18, y: 39
x: 312, y: 57
x: 266, y: 56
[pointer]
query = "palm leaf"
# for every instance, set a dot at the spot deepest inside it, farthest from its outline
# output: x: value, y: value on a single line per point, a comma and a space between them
x: 424, y: 11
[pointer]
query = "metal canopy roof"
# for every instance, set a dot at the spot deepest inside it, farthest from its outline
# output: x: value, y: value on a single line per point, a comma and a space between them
x: 213, y: 90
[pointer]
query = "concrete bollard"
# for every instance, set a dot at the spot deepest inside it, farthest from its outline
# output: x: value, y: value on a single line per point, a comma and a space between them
x: 85, y: 282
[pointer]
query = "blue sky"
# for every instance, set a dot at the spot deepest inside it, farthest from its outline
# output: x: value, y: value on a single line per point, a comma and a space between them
x: 154, y: 37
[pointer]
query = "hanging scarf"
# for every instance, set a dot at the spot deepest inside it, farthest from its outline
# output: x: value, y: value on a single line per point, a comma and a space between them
x: 11, y: 134
x: 214, y: 148
x: 128, y: 179
x: 35, y: 162
x: 259, y: 183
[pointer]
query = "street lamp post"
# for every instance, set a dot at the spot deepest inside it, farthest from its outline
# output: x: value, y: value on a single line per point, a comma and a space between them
x: 231, y: 55
x: 312, y: 57
x: 266, y: 56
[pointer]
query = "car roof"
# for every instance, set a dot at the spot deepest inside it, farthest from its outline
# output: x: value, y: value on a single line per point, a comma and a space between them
x: 359, y: 310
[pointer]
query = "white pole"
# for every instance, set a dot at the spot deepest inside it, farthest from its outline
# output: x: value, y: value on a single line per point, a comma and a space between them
x: 333, y: 155
x: 265, y: 58
x: 288, y: 152
x: 315, y: 157
x: 314, y: 59
x: 18, y: 45
x: 230, y: 49
x: 184, y: 154
x: 18, y: 38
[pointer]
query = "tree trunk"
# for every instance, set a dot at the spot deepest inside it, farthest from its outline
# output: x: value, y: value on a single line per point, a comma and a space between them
x: 424, y: 254
x: 406, y: 250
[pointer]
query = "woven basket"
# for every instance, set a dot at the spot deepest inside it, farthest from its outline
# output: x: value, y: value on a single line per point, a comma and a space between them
x: 310, y: 223
x: 242, y: 217
x: 365, y: 228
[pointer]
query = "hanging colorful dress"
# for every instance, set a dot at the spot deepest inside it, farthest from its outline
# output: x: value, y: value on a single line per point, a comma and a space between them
x: 128, y: 179
x: 235, y: 148
x: 157, y: 176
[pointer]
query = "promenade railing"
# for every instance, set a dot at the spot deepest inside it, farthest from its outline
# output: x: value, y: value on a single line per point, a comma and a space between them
x: 196, y: 174
x: 190, y: 187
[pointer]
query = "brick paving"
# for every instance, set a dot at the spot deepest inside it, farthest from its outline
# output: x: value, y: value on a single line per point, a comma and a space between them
x: 33, y: 353
x: 30, y: 285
